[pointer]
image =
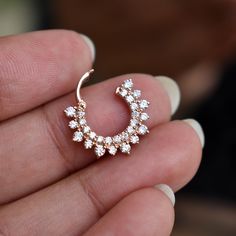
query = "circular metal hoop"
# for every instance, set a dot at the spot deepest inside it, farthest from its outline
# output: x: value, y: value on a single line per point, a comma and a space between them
x: 121, y: 141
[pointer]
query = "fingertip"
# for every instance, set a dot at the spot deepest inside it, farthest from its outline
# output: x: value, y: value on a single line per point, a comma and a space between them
x: 197, y: 128
x: 167, y: 191
x: 173, y: 91
x: 90, y: 45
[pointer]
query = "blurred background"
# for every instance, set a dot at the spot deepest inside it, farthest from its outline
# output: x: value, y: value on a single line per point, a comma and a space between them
x: 191, y: 41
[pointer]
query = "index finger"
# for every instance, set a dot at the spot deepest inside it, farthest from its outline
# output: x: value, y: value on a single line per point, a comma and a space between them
x: 39, y: 66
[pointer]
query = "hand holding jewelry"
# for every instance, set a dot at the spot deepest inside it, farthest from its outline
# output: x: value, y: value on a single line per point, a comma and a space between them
x: 120, y: 141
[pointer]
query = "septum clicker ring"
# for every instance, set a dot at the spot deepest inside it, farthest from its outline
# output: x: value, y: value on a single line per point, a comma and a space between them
x: 121, y: 141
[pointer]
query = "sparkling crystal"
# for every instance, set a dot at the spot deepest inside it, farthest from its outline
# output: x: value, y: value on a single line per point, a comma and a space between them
x: 133, y: 122
x: 70, y: 111
x: 123, y: 92
x: 117, y: 139
x: 142, y: 129
x: 86, y: 129
x: 100, y: 139
x: 100, y: 150
x: 128, y: 83
x: 125, y: 148
x: 125, y: 136
x: 112, y: 150
x: 88, y: 144
x: 82, y: 122
x: 134, y: 106
x: 108, y: 140
x: 137, y: 93
x: 73, y: 124
x: 129, y: 98
x: 130, y: 130
x: 134, y: 139
x: 144, y: 104
x: 80, y: 114
x: 135, y: 114
x: 78, y: 136
x: 144, y: 116
x: 92, y: 135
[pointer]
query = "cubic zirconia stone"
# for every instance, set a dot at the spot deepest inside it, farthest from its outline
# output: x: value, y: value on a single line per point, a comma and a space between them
x: 134, y: 122
x: 100, y: 139
x: 117, y: 139
x: 129, y: 98
x: 73, y: 124
x: 92, y: 135
x: 70, y: 111
x: 130, y: 130
x: 100, y: 150
x: 125, y: 148
x: 112, y: 150
x: 134, y: 139
x: 86, y: 129
x: 88, y: 144
x: 134, y: 106
x: 123, y: 92
x: 82, y: 122
x: 137, y: 93
x: 78, y: 136
x: 144, y: 116
x: 81, y: 114
x: 108, y: 140
x: 135, y: 114
x: 143, y: 129
x: 128, y: 83
x: 143, y: 104
x: 125, y: 136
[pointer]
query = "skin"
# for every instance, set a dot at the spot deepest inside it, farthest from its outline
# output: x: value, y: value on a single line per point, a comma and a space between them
x: 52, y: 186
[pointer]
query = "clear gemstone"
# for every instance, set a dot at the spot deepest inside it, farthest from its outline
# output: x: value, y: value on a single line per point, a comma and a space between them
x: 134, y: 106
x: 123, y: 92
x: 129, y: 99
x: 88, y: 144
x: 73, y: 124
x: 134, y: 122
x: 143, y: 104
x: 70, y: 111
x: 125, y: 136
x: 92, y: 135
x: 117, y: 139
x: 137, y: 93
x: 80, y: 114
x: 100, y: 139
x: 112, y: 150
x: 82, y: 122
x: 134, y: 139
x: 142, y: 129
x: 86, y: 129
x: 99, y: 150
x: 108, y: 140
x: 78, y: 136
x: 125, y: 148
x: 128, y: 83
x: 135, y: 114
x: 130, y: 130
x: 144, y: 116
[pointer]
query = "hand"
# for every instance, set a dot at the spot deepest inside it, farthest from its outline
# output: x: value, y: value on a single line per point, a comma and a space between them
x: 51, y: 185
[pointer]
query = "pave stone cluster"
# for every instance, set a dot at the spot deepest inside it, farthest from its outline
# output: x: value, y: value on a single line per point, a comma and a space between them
x: 121, y: 141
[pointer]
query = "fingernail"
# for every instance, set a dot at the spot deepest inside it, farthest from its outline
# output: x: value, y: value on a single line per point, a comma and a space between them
x: 167, y: 191
x: 172, y: 90
x: 90, y: 44
x: 198, y: 128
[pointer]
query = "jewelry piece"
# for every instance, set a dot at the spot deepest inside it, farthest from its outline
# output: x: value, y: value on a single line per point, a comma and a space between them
x: 121, y: 141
